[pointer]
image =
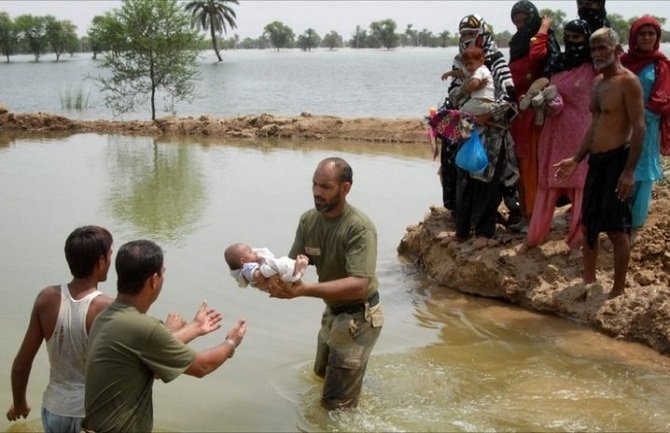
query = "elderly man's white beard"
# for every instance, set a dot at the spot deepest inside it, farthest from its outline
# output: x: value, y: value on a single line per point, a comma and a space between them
x: 600, y: 64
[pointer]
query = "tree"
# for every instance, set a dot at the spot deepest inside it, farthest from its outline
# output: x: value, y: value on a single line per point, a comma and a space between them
x: 425, y: 38
x: 8, y: 36
x: 248, y: 43
x: 410, y: 36
x: 280, y: 34
x: 152, y: 52
x: 444, y: 38
x: 358, y: 38
x: 33, y: 31
x: 384, y: 32
x: 101, y: 32
x: 213, y: 15
x: 332, y: 40
x: 503, y: 38
x: 620, y: 25
x: 62, y: 35
x: 308, y: 40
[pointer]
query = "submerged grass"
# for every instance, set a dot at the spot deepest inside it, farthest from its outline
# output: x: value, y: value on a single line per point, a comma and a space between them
x: 74, y: 99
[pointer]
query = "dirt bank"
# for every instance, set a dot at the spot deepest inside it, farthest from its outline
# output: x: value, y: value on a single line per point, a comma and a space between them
x: 304, y: 127
x: 545, y: 279
x: 548, y: 279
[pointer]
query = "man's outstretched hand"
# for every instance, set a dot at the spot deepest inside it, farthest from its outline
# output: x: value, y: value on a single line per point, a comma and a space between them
x: 207, y: 319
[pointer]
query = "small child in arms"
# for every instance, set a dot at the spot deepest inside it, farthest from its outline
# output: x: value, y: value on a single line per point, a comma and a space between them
x: 477, y: 82
x: 474, y: 97
x: 253, y: 266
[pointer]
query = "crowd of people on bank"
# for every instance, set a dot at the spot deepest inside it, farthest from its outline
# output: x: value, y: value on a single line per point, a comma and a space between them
x: 583, y: 126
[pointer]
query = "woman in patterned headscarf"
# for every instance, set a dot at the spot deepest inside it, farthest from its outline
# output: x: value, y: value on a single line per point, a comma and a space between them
x: 530, y: 47
x: 475, y: 31
x: 478, y: 195
x: 653, y: 70
x: 567, y: 120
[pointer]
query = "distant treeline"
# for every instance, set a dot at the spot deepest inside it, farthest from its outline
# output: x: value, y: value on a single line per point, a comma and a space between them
x: 37, y: 35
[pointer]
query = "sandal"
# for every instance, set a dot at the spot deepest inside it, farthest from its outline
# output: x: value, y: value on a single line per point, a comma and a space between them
x: 536, y: 87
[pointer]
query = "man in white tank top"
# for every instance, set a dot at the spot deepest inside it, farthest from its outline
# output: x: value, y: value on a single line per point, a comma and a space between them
x: 62, y: 316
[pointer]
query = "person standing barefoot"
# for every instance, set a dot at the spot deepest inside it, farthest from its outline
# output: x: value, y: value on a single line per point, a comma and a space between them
x: 652, y: 68
x: 613, y: 143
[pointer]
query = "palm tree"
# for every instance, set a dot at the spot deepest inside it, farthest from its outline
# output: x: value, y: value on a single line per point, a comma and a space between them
x: 213, y: 15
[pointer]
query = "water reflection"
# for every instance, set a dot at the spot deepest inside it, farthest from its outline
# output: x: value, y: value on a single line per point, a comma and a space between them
x: 408, y: 150
x: 9, y: 138
x: 158, y: 188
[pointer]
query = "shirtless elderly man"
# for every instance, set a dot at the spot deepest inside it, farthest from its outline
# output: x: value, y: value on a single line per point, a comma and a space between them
x: 613, y: 143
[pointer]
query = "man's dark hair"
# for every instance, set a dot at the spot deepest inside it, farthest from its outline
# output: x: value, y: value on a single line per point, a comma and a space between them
x: 343, y: 167
x: 84, y: 247
x: 135, y: 262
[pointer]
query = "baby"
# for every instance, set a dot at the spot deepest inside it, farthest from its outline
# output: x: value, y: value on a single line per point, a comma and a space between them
x: 253, y: 266
x: 477, y: 82
x: 474, y: 97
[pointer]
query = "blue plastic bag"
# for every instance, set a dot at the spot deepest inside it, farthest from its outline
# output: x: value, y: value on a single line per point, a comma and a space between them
x: 472, y: 155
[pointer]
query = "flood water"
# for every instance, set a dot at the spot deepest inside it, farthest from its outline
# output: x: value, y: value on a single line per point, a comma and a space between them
x: 444, y: 361
x: 344, y: 82
x: 404, y: 82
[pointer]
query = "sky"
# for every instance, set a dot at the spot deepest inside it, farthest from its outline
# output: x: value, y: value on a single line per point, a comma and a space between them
x: 342, y: 15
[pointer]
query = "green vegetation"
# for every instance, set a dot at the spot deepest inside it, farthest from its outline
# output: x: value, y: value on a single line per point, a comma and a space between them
x: 36, y: 35
x: 100, y: 33
x: 280, y: 35
x: 384, y: 32
x: 61, y: 35
x: 33, y: 31
x: 74, y: 99
x: 332, y: 40
x: 213, y: 15
x: 8, y: 35
x: 308, y: 40
x: 149, y: 51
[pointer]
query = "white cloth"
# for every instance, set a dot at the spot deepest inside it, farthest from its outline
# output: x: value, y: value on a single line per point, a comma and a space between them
x: 271, y: 265
x: 64, y: 394
x: 487, y: 92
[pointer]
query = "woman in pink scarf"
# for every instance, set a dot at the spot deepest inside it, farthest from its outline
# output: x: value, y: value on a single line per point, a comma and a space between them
x: 567, y: 120
x: 653, y: 69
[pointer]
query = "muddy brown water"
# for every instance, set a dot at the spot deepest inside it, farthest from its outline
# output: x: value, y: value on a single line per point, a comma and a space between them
x: 444, y: 362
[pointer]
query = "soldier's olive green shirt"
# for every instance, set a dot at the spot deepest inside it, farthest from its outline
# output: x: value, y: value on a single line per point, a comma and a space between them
x: 126, y: 351
x: 340, y: 247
